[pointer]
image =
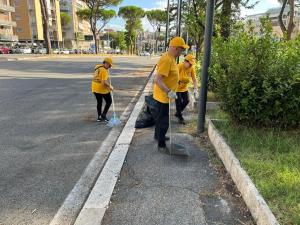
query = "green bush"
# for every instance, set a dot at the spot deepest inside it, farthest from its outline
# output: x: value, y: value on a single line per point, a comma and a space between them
x: 257, y: 78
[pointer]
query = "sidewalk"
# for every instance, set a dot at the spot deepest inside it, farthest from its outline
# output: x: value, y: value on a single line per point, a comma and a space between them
x: 158, y: 189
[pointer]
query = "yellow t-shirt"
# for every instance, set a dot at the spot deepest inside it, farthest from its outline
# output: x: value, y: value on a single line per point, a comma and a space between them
x: 167, y: 68
x: 100, y: 75
x: 185, y: 76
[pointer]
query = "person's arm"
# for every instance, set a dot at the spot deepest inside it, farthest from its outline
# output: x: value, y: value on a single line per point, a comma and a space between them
x: 195, y: 82
x: 193, y: 75
x: 107, y: 84
x: 158, y: 80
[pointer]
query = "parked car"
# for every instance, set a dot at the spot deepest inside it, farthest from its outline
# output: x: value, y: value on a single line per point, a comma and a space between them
x: 40, y: 51
x: 26, y: 50
x: 64, y: 51
x: 144, y: 54
x: 55, y: 51
x: 4, y: 50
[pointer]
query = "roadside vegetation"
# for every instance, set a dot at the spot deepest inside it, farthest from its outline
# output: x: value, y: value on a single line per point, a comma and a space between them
x: 257, y: 80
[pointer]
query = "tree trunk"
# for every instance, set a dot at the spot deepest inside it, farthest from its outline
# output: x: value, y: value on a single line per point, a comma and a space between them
x: 225, y: 18
x: 291, y: 25
x: 44, y: 12
x: 280, y: 20
x: 156, y: 41
x: 96, y: 41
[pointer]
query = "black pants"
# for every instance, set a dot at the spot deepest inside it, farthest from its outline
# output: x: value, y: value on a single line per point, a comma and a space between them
x: 181, y: 102
x: 107, y: 98
x: 162, y: 123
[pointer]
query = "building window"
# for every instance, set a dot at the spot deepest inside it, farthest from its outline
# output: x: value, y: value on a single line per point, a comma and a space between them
x: 19, y: 30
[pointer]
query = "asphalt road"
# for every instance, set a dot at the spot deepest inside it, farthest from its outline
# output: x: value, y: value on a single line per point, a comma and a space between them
x: 48, y: 133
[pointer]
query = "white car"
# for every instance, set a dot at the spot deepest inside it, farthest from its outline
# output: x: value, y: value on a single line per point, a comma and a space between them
x: 55, y: 51
x: 26, y: 50
x: 64, y: 51
x: 40, y: 51
x: 144, y: 54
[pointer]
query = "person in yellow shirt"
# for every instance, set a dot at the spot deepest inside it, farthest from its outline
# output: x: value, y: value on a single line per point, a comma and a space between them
x: 101, y: 88
x: 186, y: 74
x: 164, y: 88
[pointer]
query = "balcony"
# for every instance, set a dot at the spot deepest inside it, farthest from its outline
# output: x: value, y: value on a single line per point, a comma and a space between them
x: 4, y: 37
x: 7, y: 23
x: 6, y: 8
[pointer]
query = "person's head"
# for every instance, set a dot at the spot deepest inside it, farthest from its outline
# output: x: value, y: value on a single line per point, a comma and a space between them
x: 177, y: 46
x: 107, y: 63
x: 189, y: 61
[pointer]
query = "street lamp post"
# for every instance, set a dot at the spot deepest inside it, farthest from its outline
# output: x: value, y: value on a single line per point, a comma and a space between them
x: 167, y: 25
x: 178, y: 30
x: 206, y: 61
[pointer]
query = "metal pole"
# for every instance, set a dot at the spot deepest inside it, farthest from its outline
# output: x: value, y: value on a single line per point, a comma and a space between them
x: 167, y: 25
x: 206, y: 61
x: 178, y: 30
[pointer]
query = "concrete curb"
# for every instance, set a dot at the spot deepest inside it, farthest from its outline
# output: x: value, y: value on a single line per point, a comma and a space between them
x: 94, y: 208
x: 254, y: 201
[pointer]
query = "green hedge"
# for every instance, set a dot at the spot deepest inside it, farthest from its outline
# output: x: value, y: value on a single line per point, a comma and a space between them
x: 257, y: 78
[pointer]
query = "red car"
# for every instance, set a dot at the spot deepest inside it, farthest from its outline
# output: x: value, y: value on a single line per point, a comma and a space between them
x: 4, y: 50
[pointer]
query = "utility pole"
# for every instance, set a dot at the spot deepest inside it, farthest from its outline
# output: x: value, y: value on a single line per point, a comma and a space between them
x: 167, y: 25
x: 178, y: 30
x: 210, y: 7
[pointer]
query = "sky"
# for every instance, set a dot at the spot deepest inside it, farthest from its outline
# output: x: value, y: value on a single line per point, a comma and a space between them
x: 118, y: 23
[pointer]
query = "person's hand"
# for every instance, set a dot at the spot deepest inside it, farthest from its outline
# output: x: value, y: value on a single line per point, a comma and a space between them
x: 111, y: 88
x: 195, y: 93
x: 172, y: 95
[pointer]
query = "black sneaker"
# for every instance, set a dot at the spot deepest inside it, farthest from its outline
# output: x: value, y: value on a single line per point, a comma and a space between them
x: 99, y: 119
x: 181, y: 121
x: 104, y: 119
x: 165, y: 150
x: 166, y: 138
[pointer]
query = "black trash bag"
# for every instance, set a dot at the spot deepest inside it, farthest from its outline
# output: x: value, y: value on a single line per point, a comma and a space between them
x: 152, y: 106
x: 145, y: 119
x: 148, y: 114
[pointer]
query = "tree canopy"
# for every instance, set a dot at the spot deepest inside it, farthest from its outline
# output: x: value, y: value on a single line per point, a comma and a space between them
x: 132, y: 15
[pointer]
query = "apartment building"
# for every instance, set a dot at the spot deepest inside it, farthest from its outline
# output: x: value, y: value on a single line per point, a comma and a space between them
x: 29, y: 22
x: 273, y: 15
x: 6, y: 23
x: 77, y: 33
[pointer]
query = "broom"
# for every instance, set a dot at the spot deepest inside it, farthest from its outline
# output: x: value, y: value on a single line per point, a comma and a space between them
x: 114, y: 120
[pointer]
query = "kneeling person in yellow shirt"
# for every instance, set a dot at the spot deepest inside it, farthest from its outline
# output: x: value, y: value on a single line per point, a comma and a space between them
x: 164, y: 89
x: 186, y: 73
x: 102, y: 88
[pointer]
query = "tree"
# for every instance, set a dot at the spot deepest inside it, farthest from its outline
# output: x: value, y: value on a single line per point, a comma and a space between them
x: 117, y: 40
x: 121, y: 41
x: 65, y: 18
x: 45, y: 19
x: 96, y: 14
x: 194, y: 17
x: 132, y: 15
x: 229, y: 10
x: 157, y: 18
x: 291, y: 25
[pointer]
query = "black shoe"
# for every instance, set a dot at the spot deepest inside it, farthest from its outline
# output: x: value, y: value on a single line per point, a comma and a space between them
x: 164, y: 149
x: 99, y: 119
x: 166, y: 138
x: 181, y: 121
x: 104, y: 119
x: 177, y: 115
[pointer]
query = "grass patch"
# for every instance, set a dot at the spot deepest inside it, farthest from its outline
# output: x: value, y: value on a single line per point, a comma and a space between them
x: 271, y: 157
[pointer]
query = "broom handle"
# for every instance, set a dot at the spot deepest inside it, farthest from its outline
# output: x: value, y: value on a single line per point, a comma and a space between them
x: 170, y: 126
x: 112, y: 96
